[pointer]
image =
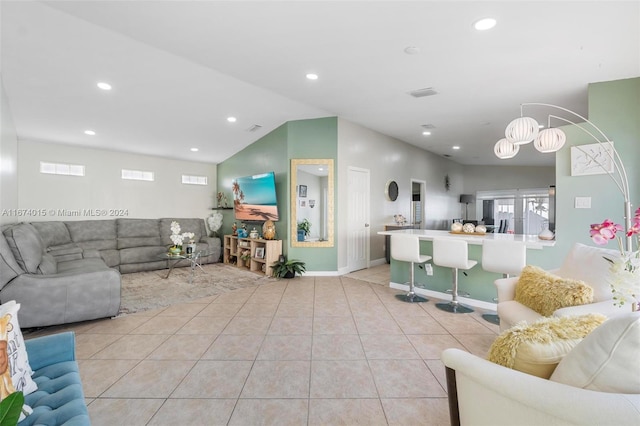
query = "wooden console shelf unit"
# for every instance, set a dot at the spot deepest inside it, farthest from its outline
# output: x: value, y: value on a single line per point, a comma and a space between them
x: 233, y: 247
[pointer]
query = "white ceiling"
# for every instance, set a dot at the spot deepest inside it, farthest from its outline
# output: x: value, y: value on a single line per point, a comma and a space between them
x: 179, y: 68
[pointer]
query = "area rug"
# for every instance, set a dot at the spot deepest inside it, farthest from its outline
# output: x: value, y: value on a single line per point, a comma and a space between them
x: 150, y: 290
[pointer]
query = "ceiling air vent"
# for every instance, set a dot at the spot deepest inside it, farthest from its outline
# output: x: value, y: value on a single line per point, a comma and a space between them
x: 421, y: 93
x: 254, y: 128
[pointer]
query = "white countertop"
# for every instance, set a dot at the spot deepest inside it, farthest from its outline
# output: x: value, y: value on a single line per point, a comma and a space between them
x: 531, y: 241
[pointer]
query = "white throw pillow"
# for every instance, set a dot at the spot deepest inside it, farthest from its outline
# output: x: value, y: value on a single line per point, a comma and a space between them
x: 607, y: 359
x: 18, y: 361
x: 588, y: 264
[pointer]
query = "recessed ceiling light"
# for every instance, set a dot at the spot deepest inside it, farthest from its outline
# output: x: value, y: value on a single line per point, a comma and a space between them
x: 232, y: 119
x: 426, y: 133
x: 312, y: 76
x: 89, y: 132
x: 104, y: 86
x: 456, y: 147
x: 412, y: 50
x: 194, y: 150
x: 484, y: 24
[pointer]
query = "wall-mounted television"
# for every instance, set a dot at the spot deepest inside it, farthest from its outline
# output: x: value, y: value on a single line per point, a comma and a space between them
x: 254, y: 197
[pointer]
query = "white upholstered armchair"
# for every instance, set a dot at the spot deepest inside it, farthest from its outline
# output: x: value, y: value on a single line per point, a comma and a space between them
x: 597, y: 383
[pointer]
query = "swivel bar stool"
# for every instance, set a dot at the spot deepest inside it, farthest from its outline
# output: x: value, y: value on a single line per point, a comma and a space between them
x: 454, y: 254
x: 406, y: 248
x: 504, y: 257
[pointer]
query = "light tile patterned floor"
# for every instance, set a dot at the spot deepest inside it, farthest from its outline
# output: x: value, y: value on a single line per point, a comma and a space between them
x: 308, y: 351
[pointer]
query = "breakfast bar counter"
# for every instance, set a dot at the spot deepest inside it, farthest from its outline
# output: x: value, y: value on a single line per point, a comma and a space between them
x: 531, y: 241
x: 476, y: 281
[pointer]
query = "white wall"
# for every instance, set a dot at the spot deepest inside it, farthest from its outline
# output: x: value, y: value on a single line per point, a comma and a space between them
x: 102, y: 187
x: 387, y: 159
x: 8, y: 160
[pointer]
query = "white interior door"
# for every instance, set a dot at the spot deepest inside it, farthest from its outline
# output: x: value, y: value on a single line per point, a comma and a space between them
x: 358, y: 234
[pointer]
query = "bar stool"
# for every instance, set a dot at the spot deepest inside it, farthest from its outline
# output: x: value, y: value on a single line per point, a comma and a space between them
x: 454, y: 254
x: 504, y: 257
x: 406, y: 248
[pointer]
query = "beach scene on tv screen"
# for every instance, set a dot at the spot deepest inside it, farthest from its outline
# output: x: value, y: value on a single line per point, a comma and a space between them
x: 254, y: 198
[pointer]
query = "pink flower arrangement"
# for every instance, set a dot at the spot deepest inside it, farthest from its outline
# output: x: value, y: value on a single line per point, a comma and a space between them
x: 601, y: 233
x: 625, y: 271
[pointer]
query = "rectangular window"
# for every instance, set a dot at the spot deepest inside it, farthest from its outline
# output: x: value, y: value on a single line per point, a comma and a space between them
x: 194, y: 180
x: 137, y: 175
x: 523, y: 211
x: 61, y: 169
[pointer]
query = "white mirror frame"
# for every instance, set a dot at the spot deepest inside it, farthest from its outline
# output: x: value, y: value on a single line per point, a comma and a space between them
x: 328, y: 162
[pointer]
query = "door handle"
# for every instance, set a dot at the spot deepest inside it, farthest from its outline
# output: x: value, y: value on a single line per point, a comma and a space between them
x: 366, y: 225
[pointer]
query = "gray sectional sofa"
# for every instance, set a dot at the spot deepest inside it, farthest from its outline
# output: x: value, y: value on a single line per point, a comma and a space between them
x: 128, y: 245
x: 62, y: 272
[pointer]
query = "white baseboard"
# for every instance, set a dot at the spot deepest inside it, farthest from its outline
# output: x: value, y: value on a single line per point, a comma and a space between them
x: 323, y: 273
x: 445, y: 296
x: 377, y: 262
x: 343, y: 271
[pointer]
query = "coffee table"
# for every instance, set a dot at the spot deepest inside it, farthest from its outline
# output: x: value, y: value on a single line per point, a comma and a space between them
x: 193, y: 258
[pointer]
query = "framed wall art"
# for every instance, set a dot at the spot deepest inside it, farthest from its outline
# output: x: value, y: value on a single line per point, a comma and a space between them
x: 592, y: 159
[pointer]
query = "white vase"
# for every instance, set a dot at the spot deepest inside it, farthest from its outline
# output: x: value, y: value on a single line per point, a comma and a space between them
x: 546, y: 233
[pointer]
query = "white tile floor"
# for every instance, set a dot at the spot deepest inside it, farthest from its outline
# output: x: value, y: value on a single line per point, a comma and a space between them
x: 307, y: 351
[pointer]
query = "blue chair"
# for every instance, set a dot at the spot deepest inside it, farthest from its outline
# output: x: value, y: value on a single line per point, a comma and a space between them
x: 59, y: 399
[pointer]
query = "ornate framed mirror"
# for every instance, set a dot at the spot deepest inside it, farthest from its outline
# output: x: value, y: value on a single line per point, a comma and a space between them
x: 312, y: 194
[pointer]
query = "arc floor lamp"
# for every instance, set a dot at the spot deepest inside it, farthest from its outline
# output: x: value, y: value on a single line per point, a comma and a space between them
x: 524, y: 130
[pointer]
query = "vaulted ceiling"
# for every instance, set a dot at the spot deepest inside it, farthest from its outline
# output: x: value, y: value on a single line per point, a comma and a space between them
x: 179, y: 69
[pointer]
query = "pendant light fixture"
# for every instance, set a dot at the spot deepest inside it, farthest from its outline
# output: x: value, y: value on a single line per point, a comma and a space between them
x: 550, y: 140
x: 505, y: 149
x: 522, y: 130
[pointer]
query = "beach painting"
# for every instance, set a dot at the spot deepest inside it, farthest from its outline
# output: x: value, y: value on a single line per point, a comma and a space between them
x: 254, y: 198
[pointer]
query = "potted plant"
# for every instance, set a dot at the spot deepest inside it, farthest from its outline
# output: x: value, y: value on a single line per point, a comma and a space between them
x: 288, y: 268
x: 304, y: 229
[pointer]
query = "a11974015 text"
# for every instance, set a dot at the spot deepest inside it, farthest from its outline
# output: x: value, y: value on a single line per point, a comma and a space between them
x: 65, y: 212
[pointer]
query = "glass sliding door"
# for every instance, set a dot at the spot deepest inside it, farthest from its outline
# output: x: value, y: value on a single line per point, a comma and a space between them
x: 519, y: 211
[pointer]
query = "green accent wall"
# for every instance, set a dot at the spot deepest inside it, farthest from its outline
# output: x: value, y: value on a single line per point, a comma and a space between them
x: 615, y: 108
x: 267, y: 154
x: 314, y: 138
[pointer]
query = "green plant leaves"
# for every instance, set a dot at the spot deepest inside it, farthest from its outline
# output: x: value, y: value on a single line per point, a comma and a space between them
x: 10, y: 409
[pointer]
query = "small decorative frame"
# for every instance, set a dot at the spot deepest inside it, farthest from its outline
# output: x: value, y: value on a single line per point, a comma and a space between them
x: 592, y: 159
x: 259, y: 253
x: 303, y: 203
x: 302, y: 191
